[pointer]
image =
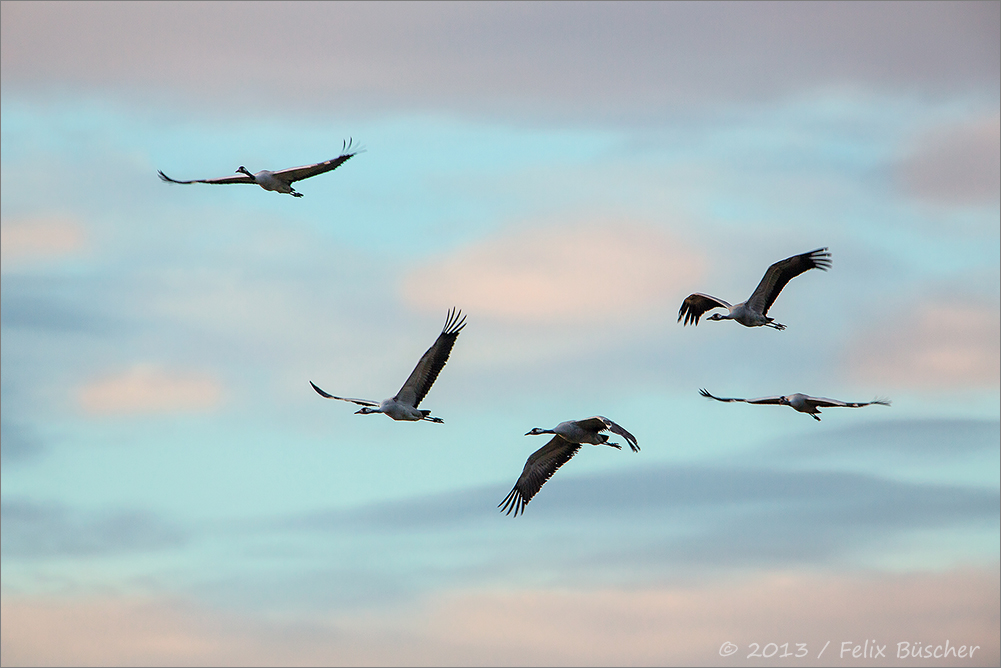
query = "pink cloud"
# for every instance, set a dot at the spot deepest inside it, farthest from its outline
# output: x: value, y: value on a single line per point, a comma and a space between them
x: 149, y: 389
x: 681, y: 625
x: 688, y: 625
x: 591, y: 272
x: 938, y: 344
x: 27, y: 240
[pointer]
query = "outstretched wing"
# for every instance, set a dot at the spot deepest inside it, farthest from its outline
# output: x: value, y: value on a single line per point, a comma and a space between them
x: 426, y: 372
x: 236, y: 178
x: 760, y: 400
x: 360, y: 402
x: 293, y: 174
x: 601, y: 423
x: 539, y: 468
x: 824, y: 402
x: 696, y: 304
x: 781, y: 273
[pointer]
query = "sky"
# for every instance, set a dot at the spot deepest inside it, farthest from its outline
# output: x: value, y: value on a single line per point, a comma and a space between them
x: 175, y: 493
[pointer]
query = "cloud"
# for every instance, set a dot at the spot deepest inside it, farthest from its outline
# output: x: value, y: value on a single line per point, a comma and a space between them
x: 687, y: 625
x: 18, y: 443
x: 543, y: 296
x: 938, y: 344
x: 658, y: 625
x: 27, y: 241
x: 933, y: 438
x: 720, y: 495
x: 38, y: 531
x: 591, y: 272
x: 709, y: 518
x: 500, y: 59
x: 123, y: 631
x: 956, y: 164
x: 150, y: 389
x: 59, y: 305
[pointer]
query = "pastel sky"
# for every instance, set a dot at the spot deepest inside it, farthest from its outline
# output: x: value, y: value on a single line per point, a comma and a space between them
x: 175, y: 493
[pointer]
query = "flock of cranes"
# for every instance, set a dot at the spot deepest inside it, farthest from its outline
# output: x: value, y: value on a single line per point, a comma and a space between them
x: 569, y: 436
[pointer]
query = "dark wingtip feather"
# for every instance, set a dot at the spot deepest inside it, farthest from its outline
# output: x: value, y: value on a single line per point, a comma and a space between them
x: 321, y: 392
x: 689, y: 314
x: 513, y: 502
x: 454, y: 322
x: 349, y: 149
x: 821, y: 258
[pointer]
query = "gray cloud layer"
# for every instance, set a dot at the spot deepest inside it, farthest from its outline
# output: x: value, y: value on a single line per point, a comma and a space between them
x: 604, y: 59
x: 683, y: 521
x: 681, y: 518
x: 35, y: 530
x: 956, y: 165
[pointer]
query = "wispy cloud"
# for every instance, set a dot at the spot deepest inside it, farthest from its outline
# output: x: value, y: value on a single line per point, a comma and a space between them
x: 25, y: 241
x: 936, y: 438
x: 493, y: 57
x: 554, y: 292
x: 18, y: 443
x: 956, y: 164
x: 661, y: 625
x: 146, y: 388
x: 688, y: 625
x: 936, y: 344
x: 43, y: 531
x: 594, y: 271
x: 709, y: 517
x: 42, y: 303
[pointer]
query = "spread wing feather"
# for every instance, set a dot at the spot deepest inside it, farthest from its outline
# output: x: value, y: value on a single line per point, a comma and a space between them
x: 236, y: 178
x: 781, y: 273
x: 760, y: 400
x: 426, y: 372
x: 696, y: 304
x: 824, y: 402
x: 360, y: 402
x: 293, y: 174
x: 600, y: 423
x: 539, y: 468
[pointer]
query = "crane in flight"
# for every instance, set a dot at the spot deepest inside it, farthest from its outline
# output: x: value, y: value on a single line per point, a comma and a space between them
x: 567, y: 441
x: 801, y: 402
x: 282, y: 180
x: 754, y: 312
x: 403, y: 406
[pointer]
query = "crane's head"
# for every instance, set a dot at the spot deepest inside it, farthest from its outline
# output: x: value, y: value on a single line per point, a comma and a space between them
x: 784, y: 401
x: 242, y: 170
x: 538, y: 430
x: 365, y: 410
x: 718, y: 316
